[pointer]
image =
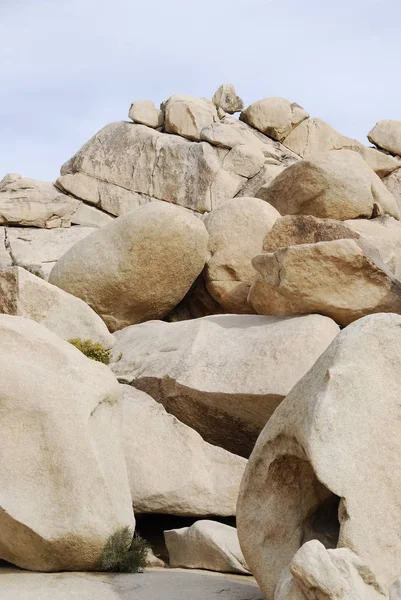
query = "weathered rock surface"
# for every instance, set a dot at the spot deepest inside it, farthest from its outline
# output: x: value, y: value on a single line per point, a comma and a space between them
x: 168, y: 584
x: 338, y: 185
x: 237, y: 229
x: 339, y: 279
x: 327, y: 574
x: 146, y: 113
x: 40, y: 249
x: 25, y: 295
x: 206, y: 545
x: 222, y: 375
x: 382, y: 234
x: 275, y: 117
x: 314, y: 472
x: 380, y: 162
x: 62, y: 470
x: 139, y: 267
x: 33, y: 203
x: 226, y: 99
x: 187, y: 116
x: 171, y: 469
x: 393, y: 184
x: 125, y: 165
x: 314, y: 137
x: 386, y: 134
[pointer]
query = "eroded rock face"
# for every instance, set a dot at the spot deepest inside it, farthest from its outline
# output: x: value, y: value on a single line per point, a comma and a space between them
x: 40, y: 249
x: 62, y: 470
x: 139, y: 267
x: 187, y: 116
x: 33, y: 203
x: 206, y: 545
x: 314, y: 472
x: 327, y: 574
x: 236, y: 229
x: 226, y: 99
x: 171, y: 469
x: 314, y: 137
x: 26, y: 295
x: 338, y: 185
x: 146, y: 113
x: 339, y: 279
x: 386, y: 134
x: 276, y: 117
x: 393, y: 184
x: 125, y: 165
x: 222, y: 375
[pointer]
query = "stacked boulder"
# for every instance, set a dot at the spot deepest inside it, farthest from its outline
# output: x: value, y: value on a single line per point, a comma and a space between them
x: 215, y: 260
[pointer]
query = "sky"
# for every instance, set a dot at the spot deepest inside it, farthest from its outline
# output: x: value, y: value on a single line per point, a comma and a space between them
x: 69, y: 67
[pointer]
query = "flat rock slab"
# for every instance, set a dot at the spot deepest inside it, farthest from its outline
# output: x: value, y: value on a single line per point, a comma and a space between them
x: 153, y: 585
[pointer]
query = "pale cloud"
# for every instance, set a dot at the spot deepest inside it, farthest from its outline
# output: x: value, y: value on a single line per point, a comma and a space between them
x: 68, y: 67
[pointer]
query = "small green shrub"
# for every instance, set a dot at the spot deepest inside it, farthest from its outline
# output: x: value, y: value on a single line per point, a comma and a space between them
x: 124, y: 552
x: 31, y: 269
x: 92, y: 350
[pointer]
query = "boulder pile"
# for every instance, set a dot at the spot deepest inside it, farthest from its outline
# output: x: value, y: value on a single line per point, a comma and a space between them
x: 241, y: 279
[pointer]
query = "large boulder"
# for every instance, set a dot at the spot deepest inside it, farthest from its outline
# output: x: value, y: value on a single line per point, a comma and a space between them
x: 339, y: 279
x: 126, y: 165
x: 33, y: 203
x: 275, y: 117
x: 393, y: 184
x: 338, y: 185
x: 386, y: 134
x: 237, y: 229
x: 222, y: 375
x: 326, y: 463
x: 227, y: 100
x: 171, y: 469
x: 63, y: 479
x: 331, y: 574
x: 382, y: 234
x: 39, y: 249
x: 315, y: 137
x: 26, y: 295
x: 206, y: 545
x: 139, y: 267
x: 187, y: 116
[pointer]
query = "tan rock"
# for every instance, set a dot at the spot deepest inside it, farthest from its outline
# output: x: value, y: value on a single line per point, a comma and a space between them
x: 244, y: 160
x: 315, y: 473
x: 381, y: 163
x: 62, y: 469
x: 276, y: 117
x: 197, y: 303
x: 393, y: 184
x: 125, y: 165
x: 330, y: 574
x: 315, y: 137
x: 339, y: 279
x: 146, y: 113
x: 226, y: 99
x: 338, y: 185
x: 382, y: 234
x: 206, y: 545
x: 222, y: 375
x: 171, y: 469
x: 187, y: 116
x: 89, y: 216
x: 265, y: 300
x: 25, y: 295
x: 139, y: 267
x: 33, y: 203
x: 386, y: 134
x: 257, y: 184
x: 5, y: 258
x: 40, y: 249
x: 236, y: 229
x: 225, y: 135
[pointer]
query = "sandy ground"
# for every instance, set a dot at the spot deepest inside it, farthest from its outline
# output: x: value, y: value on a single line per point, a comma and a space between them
x: 154, y: 584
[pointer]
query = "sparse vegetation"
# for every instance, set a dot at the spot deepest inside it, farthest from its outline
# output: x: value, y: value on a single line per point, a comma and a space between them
x: 92, y: 350
x: 32, y: 270
x: 125, y: 552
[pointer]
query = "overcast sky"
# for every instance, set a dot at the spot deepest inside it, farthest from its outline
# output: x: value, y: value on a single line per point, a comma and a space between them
x: 68, y: 67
